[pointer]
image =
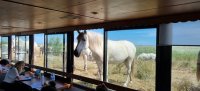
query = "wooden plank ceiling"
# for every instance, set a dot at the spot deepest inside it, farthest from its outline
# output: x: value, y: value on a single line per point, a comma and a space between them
x: 30, y: 15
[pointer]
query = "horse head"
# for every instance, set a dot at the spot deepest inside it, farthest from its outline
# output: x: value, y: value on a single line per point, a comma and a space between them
x: 82, y: 43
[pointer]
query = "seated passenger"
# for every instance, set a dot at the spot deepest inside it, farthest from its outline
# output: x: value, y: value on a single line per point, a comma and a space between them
x: 4, y: 67
x: 12, y: 75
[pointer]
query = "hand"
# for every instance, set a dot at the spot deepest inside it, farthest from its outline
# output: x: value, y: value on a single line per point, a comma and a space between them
x: 18, y: 78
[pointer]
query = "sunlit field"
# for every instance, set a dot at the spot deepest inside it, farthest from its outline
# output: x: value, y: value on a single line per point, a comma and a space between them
x: 143, y: 77
x: 183, y: 70
x: 184, y: 62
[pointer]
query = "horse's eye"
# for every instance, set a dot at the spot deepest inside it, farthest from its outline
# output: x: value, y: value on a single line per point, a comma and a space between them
x: 84, y: 39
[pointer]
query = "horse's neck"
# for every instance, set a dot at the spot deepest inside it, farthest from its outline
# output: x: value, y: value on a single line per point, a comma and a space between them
x: 95, y: 42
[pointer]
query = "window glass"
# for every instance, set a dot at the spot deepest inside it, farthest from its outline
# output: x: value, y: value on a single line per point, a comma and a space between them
x: 86, y: 64
x: 22, y: 48
x: 185, y: 68
x: 132, y: 52
x: 55, y: 51
x: 186, y: 33
x: 39, y: 50
x: 4, y: 47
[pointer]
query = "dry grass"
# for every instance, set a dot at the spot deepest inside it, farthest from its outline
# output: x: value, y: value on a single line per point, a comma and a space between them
x: 39, y: 60
x: 117, y: 74
x: 79, y: 68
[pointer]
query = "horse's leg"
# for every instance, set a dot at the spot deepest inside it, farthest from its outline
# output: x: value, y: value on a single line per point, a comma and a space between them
x: 128, y: 63
x: 100, y: 69
x: 85, y: 62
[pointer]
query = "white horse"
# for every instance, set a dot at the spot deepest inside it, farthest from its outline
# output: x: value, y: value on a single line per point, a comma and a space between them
x: 87, y: 56
x: 146, y: 56
x: 118, y: 51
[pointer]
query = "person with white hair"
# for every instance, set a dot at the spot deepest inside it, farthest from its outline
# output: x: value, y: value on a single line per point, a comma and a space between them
x: 146, y: 56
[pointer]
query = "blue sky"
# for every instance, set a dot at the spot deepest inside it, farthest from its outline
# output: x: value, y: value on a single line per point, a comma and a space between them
x: 183, y: 33
x: 138, y: 36
x: 187, y: 33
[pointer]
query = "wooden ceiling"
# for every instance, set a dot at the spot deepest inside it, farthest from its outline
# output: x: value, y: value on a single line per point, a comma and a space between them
x: 31, y: 15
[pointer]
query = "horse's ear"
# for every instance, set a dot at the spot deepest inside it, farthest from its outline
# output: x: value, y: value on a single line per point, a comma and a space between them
x: 78, y: 31
x: 85, y: 31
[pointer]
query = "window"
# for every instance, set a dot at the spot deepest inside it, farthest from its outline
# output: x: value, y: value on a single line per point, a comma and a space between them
x: 185, y: 68
x: 22, y: 48
x: 185, y: 56
x: 136, y: 47
x: 186, y: 33
x: 4, y: 47
x: 86, y: 65
x: 39, y: 50
x: 55, y: 51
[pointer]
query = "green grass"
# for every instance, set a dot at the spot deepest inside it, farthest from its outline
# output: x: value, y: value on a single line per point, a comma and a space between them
x: 145, y: 49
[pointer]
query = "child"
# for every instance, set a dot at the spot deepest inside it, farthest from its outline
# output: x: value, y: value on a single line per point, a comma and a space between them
x: 4, y: 66
x: 3, y: 69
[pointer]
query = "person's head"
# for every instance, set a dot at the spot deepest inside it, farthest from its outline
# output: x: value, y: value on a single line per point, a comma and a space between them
x: 52, y: 83
x: 48, y: 88
x: 4, y: 62
x: 20, y: 66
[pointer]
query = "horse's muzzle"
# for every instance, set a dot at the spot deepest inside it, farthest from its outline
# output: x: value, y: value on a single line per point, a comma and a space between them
x: 76, y: 53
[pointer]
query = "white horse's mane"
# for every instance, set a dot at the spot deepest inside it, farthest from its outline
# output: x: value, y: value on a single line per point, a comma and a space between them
x: 94, y: 40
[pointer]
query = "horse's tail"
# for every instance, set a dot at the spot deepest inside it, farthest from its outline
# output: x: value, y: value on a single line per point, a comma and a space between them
x: 198, y: 67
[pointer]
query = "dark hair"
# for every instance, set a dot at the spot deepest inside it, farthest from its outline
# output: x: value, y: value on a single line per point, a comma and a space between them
x: 48, y: 88
x: 4, y: 62
x: 52, y: 83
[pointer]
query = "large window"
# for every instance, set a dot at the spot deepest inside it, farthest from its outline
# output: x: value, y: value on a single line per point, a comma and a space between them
x: 39, y: 50
x: 86, y: 63
x: 4, y: 47
x: 132, y: 52
x: 22, y: 48
x: 55, y: 51
x: 185, y: 56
